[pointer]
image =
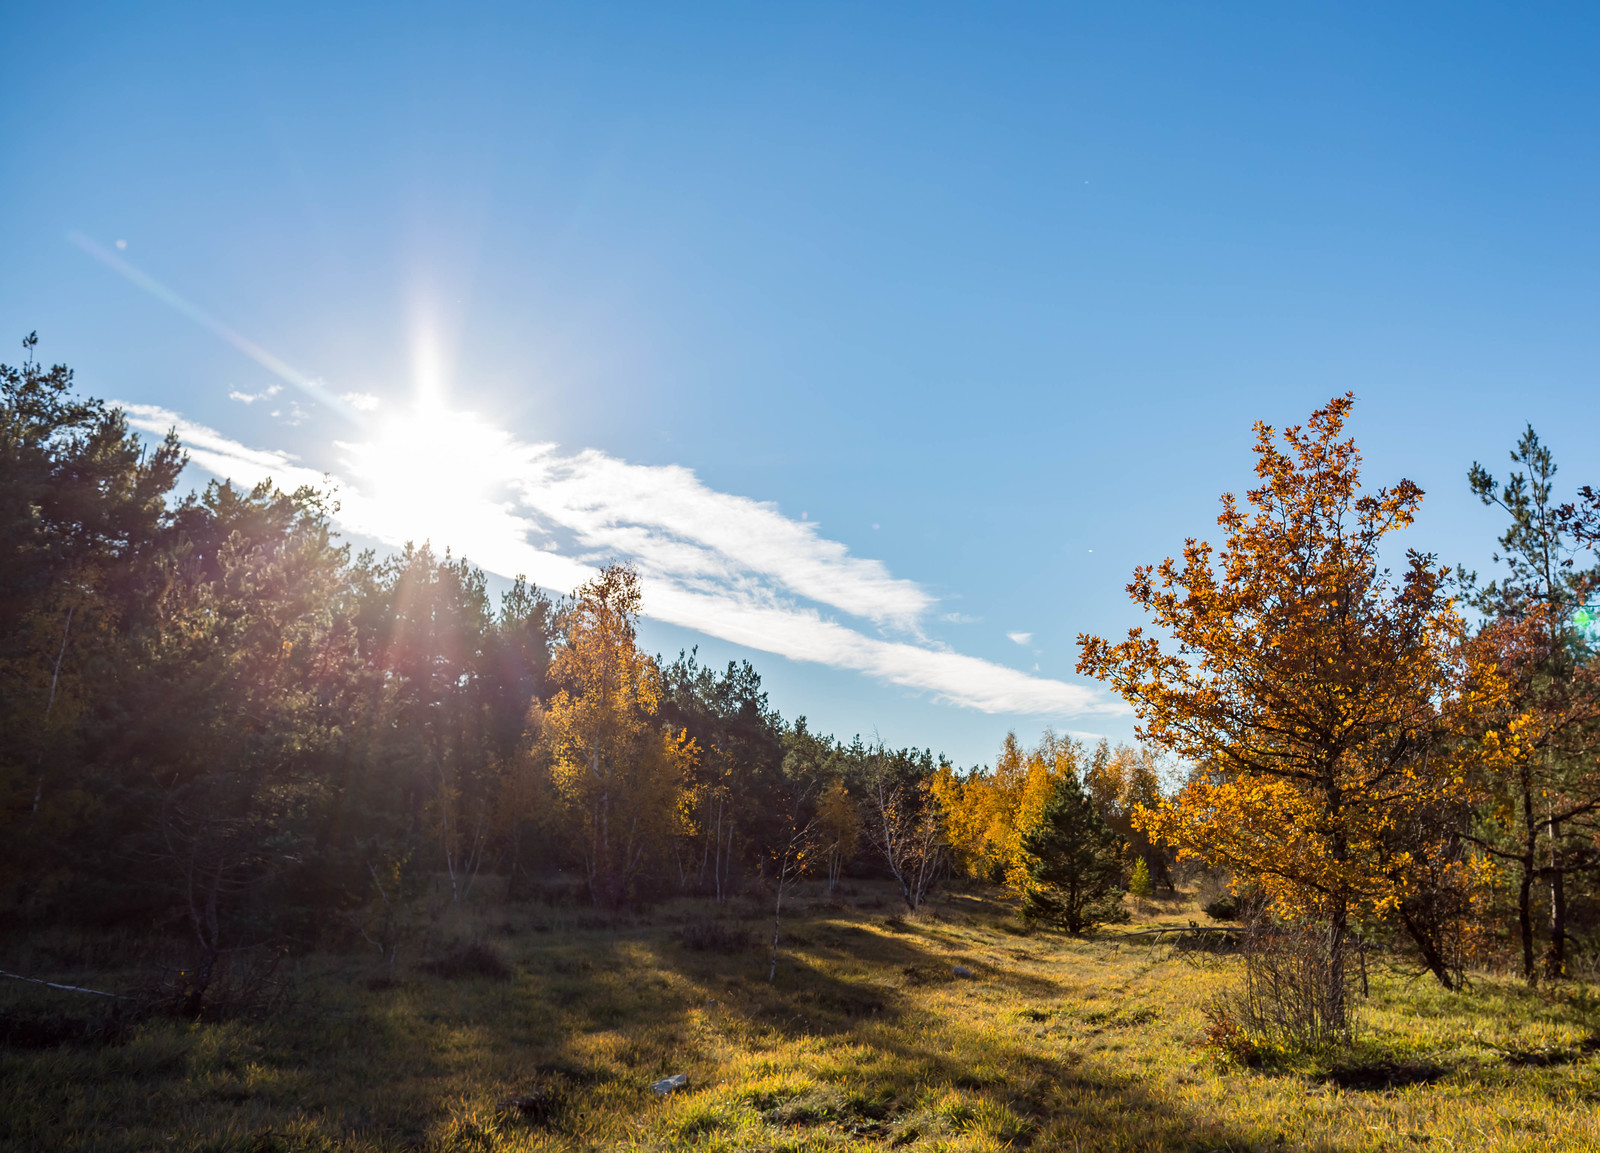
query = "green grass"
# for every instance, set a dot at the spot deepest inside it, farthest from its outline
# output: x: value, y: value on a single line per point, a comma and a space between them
x: 867, y: 1040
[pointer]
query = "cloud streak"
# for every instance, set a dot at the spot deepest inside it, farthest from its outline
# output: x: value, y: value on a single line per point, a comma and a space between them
x: 252, y: 397
x: 721, y: 564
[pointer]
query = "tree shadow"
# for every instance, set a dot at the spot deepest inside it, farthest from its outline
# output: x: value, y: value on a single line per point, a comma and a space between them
x: 939, y: 1078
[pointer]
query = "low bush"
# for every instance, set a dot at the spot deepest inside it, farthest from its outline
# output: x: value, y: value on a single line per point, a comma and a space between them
x: 474, y: 959
x: 1224, y: 908
x: 714, y: 936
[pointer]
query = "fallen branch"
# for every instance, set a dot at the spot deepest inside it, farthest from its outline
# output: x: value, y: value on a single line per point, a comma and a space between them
x: 1196, y: 929
x: 68, y: 988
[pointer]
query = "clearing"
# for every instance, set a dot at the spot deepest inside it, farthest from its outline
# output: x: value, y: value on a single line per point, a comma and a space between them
x: 524, y: 1026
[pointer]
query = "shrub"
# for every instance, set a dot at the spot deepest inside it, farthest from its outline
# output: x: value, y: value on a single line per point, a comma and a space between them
x: 714, y: 937
x: 1296, y: 989
x: 1225, y: 1039
x: 474, y: 959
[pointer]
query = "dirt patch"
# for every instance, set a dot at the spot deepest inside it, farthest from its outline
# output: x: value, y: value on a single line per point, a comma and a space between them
x: 928, y: 974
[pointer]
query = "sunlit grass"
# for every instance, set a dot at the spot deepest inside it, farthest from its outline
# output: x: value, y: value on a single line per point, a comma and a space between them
x: 866, y: 1040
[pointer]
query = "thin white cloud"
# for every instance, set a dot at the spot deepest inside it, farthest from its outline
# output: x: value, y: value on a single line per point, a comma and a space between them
x: 666, y: 513
x: 220, y: 456
x: 805, y: 635
x: 252, y: 397
x: 724, y: 565
x: 1020, y: 638
x: 360, y: 401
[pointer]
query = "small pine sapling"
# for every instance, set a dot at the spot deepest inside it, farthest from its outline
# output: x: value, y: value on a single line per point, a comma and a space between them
x: 1140, y: 883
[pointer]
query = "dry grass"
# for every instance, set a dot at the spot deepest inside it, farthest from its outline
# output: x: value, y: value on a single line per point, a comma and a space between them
x: 867, y: 1040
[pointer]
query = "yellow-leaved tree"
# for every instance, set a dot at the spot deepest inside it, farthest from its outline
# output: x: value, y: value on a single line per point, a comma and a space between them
x: 986, y: 814
x: 618, y: 771
x: 1321, y: 699
x: 838, y: 829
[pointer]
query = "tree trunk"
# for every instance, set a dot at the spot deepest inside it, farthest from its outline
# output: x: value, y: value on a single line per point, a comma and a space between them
x: 777, y: 922
x: 1525, y: 921
x: 1529, y: 863
x: 1338, y: 1009
x: 1429, y: 948
x: 1555, y: 961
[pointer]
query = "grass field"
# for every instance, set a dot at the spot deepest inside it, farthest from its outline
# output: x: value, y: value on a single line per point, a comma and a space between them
x: 549, y: 1035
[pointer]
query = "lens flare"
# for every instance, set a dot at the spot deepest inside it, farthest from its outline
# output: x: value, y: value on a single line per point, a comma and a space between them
x: 428, y: 473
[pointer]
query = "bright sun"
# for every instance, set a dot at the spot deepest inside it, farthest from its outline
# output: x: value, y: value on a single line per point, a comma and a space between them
x: 429, y: 473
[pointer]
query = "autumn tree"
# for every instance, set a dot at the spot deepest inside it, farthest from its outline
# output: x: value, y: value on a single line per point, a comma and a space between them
x: 838, y: 829
x: 790, y: 861
x: 617, y: 770
x: 1120, y: 781
x: 985, y: 814
x: 1072, y: 859
x: 1324, y: 697
x: 1139, y: 881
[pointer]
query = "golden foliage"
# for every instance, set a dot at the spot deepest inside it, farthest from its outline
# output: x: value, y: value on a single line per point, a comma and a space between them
x: 986, y: 814
x: 618, y: 773
x: 838, y: 829
x: 1319, y: 699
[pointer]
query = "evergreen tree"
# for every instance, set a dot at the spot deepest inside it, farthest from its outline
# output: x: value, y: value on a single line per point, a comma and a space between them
x: 1073, y: 871
x: 1543, y: 786
x: 1139, y: 883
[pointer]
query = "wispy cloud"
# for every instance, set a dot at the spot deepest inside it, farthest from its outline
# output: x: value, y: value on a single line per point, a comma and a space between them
x: 704, y: 539
x: 724, y: 565
x: 252, y: 397
x: 360, y: 401
x: 1020, y: 638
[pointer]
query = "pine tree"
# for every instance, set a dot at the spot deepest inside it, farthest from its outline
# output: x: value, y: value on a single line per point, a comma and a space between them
x: 1543, y: 784
x: 1073, y: 871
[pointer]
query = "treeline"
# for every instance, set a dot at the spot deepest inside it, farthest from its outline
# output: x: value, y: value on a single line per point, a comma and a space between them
x: 217, y: 721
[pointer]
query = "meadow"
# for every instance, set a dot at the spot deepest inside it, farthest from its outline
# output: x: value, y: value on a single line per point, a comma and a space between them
x: 527, y: 1026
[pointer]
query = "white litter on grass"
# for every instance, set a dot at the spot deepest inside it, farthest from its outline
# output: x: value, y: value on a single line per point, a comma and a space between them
x: 668, y: 1084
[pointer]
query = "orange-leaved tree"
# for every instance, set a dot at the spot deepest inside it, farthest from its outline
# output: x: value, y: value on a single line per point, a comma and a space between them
x: 1321, y: 699
x: 618, y: 772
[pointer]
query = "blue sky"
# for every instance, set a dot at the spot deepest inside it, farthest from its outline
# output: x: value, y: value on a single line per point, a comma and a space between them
x: 886, y: 338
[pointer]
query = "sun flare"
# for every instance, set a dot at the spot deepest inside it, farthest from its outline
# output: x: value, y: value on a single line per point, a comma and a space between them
x: 428, y: 473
